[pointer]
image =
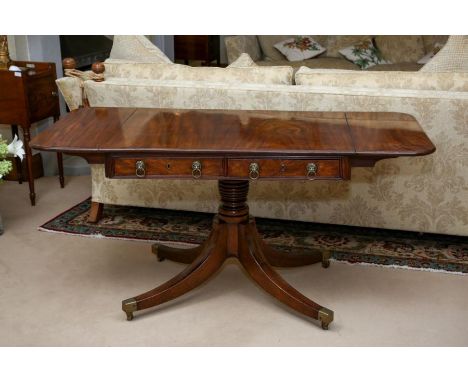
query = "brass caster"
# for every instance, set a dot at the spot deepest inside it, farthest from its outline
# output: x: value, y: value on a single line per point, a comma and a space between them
x: 129, y: 306
x: 326, y: 258
x: 325, y: 317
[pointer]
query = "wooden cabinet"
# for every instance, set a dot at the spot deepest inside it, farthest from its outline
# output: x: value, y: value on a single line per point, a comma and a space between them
x: 26, y: 97
x: 192, y: 47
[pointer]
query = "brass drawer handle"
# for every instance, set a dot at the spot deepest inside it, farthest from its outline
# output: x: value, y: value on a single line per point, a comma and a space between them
x: 140, y: 169
x: 311, y: 170
x: 254, y: 171
x: 196, y: 169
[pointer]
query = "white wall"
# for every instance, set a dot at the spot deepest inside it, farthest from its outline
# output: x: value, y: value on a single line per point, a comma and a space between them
x: 165, y: 43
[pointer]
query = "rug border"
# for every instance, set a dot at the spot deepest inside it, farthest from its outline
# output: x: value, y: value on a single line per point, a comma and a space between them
x: 187, y: 244
x: 63, y: 212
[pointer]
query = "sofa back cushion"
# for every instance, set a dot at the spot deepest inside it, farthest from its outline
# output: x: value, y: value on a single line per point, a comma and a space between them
x: 282, y: 75
x: 382, y: 80
x: 335, y: 43
x: 431, y: 41
x: 270, y: 53
x: 136, y: 49
x: 398, y: 49
x: 267, y: 45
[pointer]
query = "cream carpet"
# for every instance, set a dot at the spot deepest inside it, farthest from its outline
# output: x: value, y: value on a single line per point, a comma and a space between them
x: 59, y: 290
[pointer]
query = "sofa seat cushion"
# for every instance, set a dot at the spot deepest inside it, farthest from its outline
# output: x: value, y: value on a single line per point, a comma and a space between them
x: 315, y: 63
x: 401, y: 67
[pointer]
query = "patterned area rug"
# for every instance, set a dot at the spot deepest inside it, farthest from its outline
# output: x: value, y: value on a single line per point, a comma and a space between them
x: 350, y: 244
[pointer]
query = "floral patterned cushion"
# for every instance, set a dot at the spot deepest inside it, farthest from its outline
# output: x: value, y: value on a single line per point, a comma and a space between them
x: 364, y: 54
x: 300, y: 48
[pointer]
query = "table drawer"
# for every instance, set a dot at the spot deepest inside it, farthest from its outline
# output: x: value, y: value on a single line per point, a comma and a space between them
x: 288, y: 168
x: 147, y: 167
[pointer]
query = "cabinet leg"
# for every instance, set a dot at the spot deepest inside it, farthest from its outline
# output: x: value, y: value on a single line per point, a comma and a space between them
x: 27, y: 149
x: 60, y: 168
x: 19, y: 165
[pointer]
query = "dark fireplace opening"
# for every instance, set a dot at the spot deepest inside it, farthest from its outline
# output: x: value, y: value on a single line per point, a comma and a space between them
x: 85, y: 49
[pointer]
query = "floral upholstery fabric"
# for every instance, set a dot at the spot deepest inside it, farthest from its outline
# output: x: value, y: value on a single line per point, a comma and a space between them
x: 236, y: 45
x: 243, y: 61
x: 318, y: 62
x: 70, y: 87
x: 431, y: 41
x: 336, y: 43
x: 136, y: 48
x: 427, y: 194
x: 364, y: 54
x: 378, y: 80
x: 400, y: 67
x: 267, y: 42
x: 177, y: 72
x: 397, y: 49
x: 453, y: 57
x: 299, y: 48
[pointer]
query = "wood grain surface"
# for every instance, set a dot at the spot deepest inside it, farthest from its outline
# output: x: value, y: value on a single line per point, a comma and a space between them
x: 235, y: 133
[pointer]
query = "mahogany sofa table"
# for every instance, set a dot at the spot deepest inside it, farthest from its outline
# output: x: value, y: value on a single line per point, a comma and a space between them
x: 233, y: 147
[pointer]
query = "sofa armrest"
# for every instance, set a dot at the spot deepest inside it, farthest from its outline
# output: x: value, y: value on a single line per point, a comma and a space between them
x: 71, y: 86
x: 453, y: 57
x: 71, y: 90
x: 236, y: 45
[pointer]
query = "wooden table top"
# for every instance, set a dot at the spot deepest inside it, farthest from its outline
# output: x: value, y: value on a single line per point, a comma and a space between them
x: 94, y: 132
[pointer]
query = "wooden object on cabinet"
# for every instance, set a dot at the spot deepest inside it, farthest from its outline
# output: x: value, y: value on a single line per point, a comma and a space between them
x: 27, y: 97
x: 193, y: 47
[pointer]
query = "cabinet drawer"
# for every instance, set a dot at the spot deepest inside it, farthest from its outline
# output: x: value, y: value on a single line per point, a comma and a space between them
x: 147, y: 167
x: 288, y: 168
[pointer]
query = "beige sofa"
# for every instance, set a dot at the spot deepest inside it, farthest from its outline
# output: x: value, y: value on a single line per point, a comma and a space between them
x: 402, y: 51
x: 427, y: 194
